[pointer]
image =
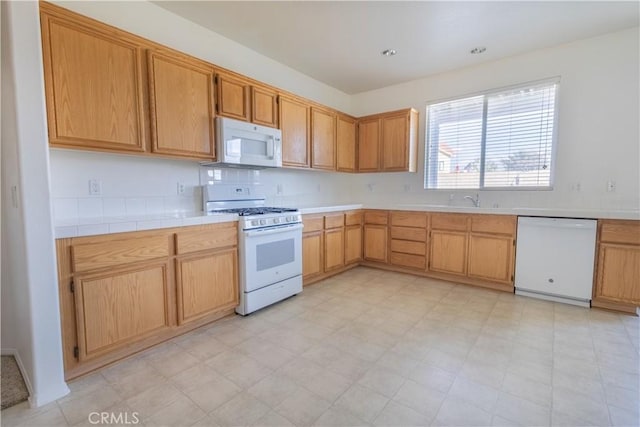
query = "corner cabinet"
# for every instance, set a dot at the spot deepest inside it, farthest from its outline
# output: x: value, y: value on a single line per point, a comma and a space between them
x: 346, y: 144
x: 388, y: 142
x: 93, y: 84
x: 375, y: 232
x: 181, y: 104
x: 617, y: 284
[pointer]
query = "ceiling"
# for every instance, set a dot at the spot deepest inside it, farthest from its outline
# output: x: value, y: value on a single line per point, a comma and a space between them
x: 339, y: 42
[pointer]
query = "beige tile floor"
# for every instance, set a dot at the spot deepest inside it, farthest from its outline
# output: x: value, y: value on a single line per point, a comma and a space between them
x: 369, y: 347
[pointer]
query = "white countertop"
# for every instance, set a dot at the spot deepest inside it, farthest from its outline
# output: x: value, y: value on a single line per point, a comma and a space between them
x: 110, y: 225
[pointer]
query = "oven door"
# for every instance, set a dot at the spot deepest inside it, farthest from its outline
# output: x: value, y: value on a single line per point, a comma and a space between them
x: 271, y: 255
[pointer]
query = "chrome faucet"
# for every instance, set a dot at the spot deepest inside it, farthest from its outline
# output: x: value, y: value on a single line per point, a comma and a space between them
x: 474, y: 200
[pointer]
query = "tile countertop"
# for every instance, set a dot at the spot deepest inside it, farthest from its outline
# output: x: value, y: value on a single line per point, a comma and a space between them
x: 109, y: 225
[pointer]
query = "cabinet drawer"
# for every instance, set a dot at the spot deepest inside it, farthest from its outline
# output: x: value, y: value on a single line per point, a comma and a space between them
x: 202, y: 239
x: 407, y: 247
x: 409, y: 219
x: 411, y: 261
x: 457, y: 222
x: 620, y: 232
x: 502, y: 224
x: 93, y: 256
x: 409, y: 233
x: 312, y: 223
x: 353, y: 218
x: 376, y: 217
x: 334, y: 220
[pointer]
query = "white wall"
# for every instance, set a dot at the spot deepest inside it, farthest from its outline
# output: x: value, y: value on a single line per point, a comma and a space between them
x: 598, y: 136
x: 30, y: 310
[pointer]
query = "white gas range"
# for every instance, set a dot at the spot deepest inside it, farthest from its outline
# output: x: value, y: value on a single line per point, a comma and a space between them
x: 270, y: 245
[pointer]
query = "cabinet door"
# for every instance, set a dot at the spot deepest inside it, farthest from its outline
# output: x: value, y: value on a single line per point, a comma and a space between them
x: 116, y: 308
x: 323, y: 139
x: 333, y: 249
x: 352, y: 244
x: 182, y: 106
x: 447, y: 253
x: 395, y: 143
x: 93, y: 83
x: 375, y: 243
x: 369, y: 145
x: 346, y: 144
x: 312, y: 254
x: 491, y: 258
x: 294, y: 123
x: 233, y: 97
x: 264, y: 106
x: 618, y: 277
x: 206, y: 284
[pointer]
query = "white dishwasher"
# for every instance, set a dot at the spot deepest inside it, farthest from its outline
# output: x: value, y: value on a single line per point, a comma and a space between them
x: 555, y: 258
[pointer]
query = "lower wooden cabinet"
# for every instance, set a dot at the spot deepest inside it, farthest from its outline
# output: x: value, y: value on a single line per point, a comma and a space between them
x: 375, y: 242
x: 206, y: 283
x: 352, y: 244
x: 617, y: 284
x: 117, y: 307
x: 491, y: 257
x: 333, y: 248
x: 312, y: 252
x: 448, y: 252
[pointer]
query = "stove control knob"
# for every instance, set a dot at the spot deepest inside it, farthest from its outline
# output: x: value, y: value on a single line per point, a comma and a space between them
x: 263, y: 222
x: 254, y: 222
x: 276, y: 220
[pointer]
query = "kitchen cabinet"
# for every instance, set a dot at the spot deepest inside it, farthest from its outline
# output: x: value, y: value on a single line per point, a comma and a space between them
x: 233, y: 97
x: 240, y: 99
x: 181, y: 103
x: 448, y: 243
x: 295, y: 120
x: 206, y: 272
x: 333, y: 241
x: 323, y: 139
x: 408, y: 239
x: 369, y: 144
x: 93, y: 84
x: 312, y: 247
x: 617, y: 284
x: 346, y: 144
x: 388, y: 142
x: 375, y: 231
x: 491, y: 248
x: 121, y: 293
x: 353, y: 237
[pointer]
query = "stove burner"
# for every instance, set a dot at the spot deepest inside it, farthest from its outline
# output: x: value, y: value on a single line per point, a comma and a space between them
x: 257, y: 211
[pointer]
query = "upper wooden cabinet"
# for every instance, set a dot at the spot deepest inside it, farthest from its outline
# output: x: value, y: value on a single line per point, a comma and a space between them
x: 323, y: 139
x: 181, y: 103
x: 388, y: 142
x: 369, y: 144
x: 233, y: 97
x: 346, y: 131
x: 93, y: 82
x: 295, y: 125
x: 264, y: 106
x: 239, y: 99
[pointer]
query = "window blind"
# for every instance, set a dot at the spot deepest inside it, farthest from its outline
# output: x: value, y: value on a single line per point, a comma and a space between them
x: 502, y: 139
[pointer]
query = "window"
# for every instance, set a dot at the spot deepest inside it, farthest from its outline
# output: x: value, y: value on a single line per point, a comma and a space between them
x: 501, y: 139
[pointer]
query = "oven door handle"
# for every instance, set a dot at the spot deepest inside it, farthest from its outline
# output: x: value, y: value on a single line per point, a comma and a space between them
x: 273, y: 230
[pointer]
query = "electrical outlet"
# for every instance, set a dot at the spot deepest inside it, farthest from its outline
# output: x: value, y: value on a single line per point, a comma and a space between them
x: 279, y: 189
x: 95, y: 187
x: 371, y: 187
x: 611, y: 186
x: 180, y: 188
x: 407, y: 188
x: 576, y: 186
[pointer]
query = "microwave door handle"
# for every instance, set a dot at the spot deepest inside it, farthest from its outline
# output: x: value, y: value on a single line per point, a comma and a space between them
x: 271, y: 147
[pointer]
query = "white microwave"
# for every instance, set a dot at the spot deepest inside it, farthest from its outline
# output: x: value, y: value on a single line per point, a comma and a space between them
x: 246, y: 144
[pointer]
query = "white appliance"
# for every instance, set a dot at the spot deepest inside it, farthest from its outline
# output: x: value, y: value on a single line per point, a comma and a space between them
x: 248, y: 145
x: 270, y: 245
x: 555, y: 259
